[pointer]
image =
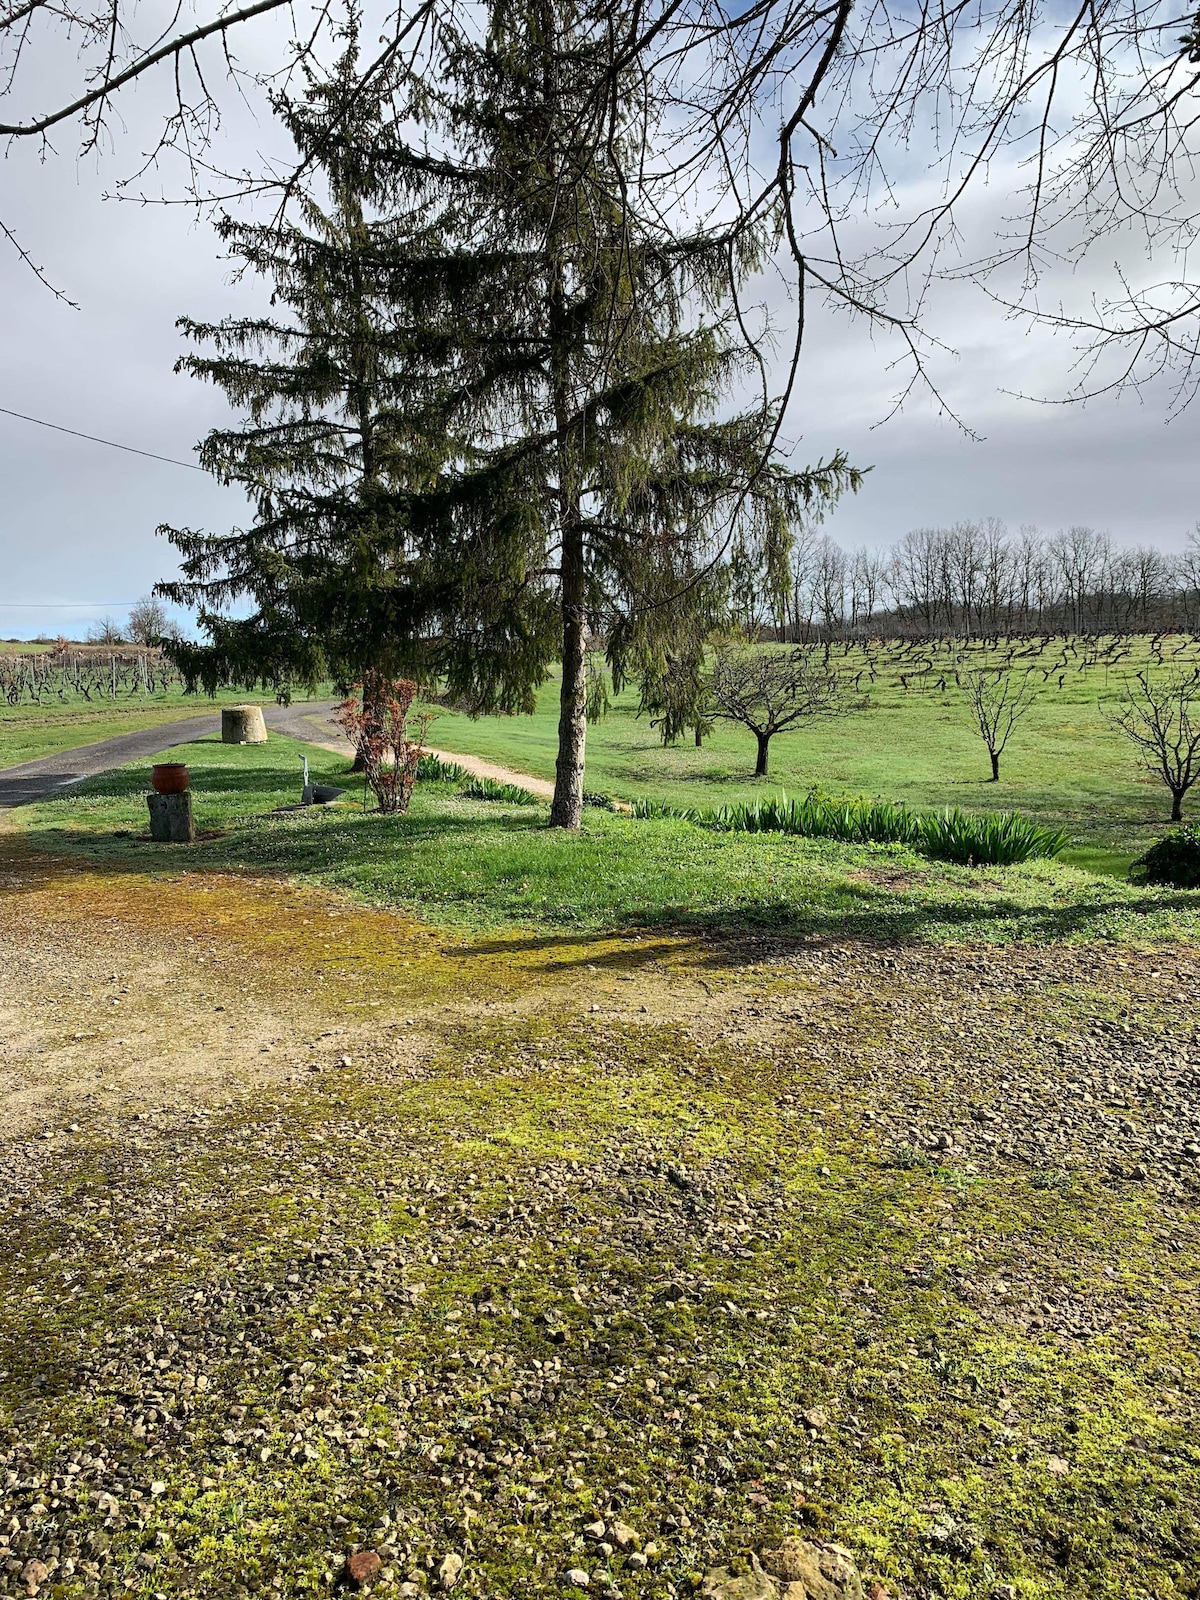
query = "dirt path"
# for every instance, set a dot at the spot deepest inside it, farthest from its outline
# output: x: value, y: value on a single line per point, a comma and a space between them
x: 316, y: 725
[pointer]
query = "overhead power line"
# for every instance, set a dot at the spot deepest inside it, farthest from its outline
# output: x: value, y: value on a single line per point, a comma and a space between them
x: 111, y: 443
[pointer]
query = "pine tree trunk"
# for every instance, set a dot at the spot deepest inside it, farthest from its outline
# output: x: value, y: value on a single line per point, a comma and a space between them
x: 760, y: 766
x: 566, y: 809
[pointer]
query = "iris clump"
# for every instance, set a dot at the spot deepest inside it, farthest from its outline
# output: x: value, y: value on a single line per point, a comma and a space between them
x: 997, y: 838
x: 432, y: 769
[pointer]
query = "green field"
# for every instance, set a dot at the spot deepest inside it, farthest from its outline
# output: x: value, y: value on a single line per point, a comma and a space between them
x: 909, y: 738
x: 480, y: 864
x: 1065, y: 765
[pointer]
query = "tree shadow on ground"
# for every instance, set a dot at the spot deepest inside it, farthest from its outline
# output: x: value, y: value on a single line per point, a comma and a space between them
x: 750, y: 933
x: 711, y: 940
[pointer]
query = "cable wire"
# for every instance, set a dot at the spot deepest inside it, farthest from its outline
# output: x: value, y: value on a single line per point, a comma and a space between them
x: 111, y: 443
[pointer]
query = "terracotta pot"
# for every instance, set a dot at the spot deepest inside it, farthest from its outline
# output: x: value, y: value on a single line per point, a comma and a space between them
x: 169, y: 777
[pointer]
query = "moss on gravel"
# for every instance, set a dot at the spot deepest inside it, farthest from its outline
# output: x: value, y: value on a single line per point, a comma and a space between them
x: 579, y: 1271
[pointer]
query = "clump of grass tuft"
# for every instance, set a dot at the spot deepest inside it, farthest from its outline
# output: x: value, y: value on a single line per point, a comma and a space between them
x: 659, y: 811
x: 997, y: 838
x: 509, y: 794
x: 432, y: 769
x: 1052, y: 1178
x: 993, y: 839
x: 911, y: 1158
x: 815, y: 817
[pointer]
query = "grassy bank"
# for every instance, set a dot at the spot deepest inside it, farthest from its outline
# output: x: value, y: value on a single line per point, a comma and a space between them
x: 479, y: 864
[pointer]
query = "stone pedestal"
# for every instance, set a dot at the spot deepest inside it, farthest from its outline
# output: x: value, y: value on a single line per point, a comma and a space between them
x: 243, y: 725
x: 171, y: 818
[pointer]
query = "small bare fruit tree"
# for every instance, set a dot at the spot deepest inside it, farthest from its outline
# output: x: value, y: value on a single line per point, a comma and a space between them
x: 1162, y: 721
x: 389, y: 739
x: 767, y: 690
x: 998, y: 701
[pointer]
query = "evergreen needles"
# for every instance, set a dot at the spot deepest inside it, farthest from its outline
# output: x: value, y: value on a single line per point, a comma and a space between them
x: 493, y: 419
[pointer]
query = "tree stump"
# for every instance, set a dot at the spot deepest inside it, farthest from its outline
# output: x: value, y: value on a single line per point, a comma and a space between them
x: 171, y: 818
x: 243, y: 725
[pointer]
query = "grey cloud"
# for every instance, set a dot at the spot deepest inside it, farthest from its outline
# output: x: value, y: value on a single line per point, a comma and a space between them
x: 77, y: 521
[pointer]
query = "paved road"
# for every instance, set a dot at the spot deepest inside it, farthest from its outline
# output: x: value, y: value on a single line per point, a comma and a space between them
x: 309, y: 720
x: 38, y: 780
x: 45, y: 777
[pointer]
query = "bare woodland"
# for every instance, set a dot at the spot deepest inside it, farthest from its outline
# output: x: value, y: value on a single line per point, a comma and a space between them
x: 980, y: 579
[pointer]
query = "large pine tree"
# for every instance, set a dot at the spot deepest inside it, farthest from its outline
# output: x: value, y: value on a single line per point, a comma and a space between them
x: 550, y: 349
x: 339, y: 586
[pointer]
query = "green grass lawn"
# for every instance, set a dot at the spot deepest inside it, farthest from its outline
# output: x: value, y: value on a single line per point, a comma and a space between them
x: 1065, y: 764
x: 485, y: 865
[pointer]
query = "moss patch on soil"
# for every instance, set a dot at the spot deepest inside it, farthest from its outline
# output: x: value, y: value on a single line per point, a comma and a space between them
x: 694, y: 1275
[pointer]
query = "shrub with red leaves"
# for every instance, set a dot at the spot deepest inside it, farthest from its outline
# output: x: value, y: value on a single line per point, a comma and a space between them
x: 389, y: 738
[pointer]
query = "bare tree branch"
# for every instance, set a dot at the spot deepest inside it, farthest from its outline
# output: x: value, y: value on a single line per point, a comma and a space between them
x: 111, y: 81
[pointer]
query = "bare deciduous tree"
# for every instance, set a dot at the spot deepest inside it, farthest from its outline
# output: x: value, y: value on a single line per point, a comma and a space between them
x: 976, y: 580
x: 1090, y: 109
x: 149, y: 622
x: 767, y: 690
x: 106, y: 631
x: 1188, y: 576
x: 998, y: 701
x: 1162, y: 721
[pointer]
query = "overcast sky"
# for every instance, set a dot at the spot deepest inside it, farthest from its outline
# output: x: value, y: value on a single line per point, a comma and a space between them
x: 77, y: 520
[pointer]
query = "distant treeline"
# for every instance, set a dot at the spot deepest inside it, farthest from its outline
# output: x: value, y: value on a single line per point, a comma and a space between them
x: 976, y: 578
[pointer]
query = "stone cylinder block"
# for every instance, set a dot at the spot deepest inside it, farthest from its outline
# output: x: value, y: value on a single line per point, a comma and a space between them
x: 243, y: 725
x: 171, y: 818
